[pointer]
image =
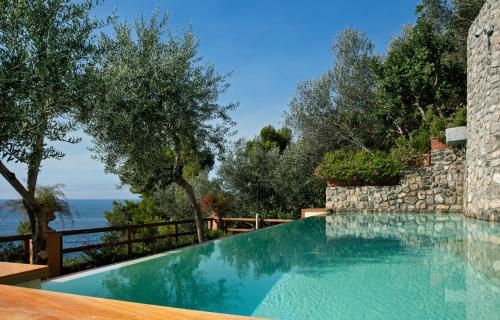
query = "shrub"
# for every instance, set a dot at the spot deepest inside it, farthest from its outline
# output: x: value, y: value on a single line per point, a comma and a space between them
x: 12, y: 252
x: 459, y: 119
x: 214, y: 202
x: 360, y: 167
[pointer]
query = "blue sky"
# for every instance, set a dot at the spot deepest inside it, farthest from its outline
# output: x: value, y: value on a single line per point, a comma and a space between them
x: 270, y: 46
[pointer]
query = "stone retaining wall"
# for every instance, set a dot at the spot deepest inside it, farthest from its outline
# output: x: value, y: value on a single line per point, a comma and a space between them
x: 482, y: 192
x: 442, y: 187
x: 438, y: 187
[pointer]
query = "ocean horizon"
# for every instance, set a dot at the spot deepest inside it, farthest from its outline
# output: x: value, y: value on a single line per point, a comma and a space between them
x: 86, y: 213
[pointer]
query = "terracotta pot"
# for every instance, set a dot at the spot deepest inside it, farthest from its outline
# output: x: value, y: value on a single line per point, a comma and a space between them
x: 218, y: 223
x: 436, y: 144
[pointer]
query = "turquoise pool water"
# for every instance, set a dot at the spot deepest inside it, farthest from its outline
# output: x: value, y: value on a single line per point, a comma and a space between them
x: 359, y: 266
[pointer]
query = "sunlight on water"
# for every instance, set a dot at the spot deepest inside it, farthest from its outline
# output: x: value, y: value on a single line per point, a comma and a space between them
x: 366, y: 266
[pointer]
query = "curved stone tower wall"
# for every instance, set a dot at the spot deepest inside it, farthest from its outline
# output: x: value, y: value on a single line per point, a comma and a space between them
x: 482, y: 185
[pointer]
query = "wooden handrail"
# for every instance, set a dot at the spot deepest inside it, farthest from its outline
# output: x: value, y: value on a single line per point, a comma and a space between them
x: 124, y: 242
x: 276, y: 220
x: 239, y: 230
x: 15, y: 238
x: 127, y: 227
x: 239, y: 219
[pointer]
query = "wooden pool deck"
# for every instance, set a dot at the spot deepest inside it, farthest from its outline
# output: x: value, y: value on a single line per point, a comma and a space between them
x: 14, y: 273
x: 18, y: 303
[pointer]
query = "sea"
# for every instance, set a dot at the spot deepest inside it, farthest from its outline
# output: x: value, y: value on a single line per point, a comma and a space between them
x: 85, y: 214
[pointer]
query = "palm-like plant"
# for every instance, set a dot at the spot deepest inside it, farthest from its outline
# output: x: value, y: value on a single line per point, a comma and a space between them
x: 52, y: 199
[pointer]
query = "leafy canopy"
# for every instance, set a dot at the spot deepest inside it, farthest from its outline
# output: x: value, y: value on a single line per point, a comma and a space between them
x: 46, y: 49
x: 341, y: 100
x: 158, y: 108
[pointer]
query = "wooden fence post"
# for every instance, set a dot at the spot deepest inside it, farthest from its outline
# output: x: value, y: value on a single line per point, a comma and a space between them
x: 54, y: 252
x: 257, y: 221
x: 26, y: 250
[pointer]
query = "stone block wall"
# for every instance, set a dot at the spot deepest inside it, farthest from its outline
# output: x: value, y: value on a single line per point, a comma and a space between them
x: 482, y: 188
x: 438, y: 187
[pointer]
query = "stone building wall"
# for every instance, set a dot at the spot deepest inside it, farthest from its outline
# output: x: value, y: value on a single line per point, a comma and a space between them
x: 482, y: 188
x: 438, y: 187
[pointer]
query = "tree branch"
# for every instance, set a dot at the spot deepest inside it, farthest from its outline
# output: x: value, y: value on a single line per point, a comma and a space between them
x: 17, y: 185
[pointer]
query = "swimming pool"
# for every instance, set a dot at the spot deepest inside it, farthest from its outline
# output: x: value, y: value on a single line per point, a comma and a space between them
x: 356, y: 266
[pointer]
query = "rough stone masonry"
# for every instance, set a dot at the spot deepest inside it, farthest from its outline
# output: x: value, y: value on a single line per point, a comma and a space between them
x: 457, y: 181
x: 482, y: 185
x: 438, y: 187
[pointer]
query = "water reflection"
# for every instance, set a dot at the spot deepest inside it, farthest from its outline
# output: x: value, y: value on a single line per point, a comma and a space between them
x: 399, y: 266
x: 176, y: 281
x: 474, y: 241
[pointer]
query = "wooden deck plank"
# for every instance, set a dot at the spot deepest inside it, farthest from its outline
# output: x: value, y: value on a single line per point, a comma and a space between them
x: 21, y: 303
x: 11, y: 273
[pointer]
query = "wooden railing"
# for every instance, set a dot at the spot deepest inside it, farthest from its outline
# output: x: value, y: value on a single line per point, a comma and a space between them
x: 252, y: 223
x: 129, y: 240
x: 25, y: 240
x: 56, y: 249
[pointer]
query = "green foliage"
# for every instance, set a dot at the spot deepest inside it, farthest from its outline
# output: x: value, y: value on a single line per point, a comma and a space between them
x: 417, y: 142
x: 418, y: 76
x: 266, y: 181
x: 47, y: 53
x: 134, y: 212
x: 275, y: 138
x: 23, y: 227
x: 12, y: 252
x: 271, y: 138
x: 156, y: 120
x: 46, y: 49
x: 152, y: 76
x: 341, y: 100
x: 247, y: 174
x: 459, y: 119
x: 173, y: 202
x: 53, y: 200
x: 360, y: 167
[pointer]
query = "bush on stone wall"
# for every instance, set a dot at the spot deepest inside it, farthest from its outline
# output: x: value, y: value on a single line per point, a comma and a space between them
x: 361, y: 167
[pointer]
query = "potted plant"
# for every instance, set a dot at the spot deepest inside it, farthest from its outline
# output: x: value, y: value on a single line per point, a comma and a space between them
x: 214, y: 204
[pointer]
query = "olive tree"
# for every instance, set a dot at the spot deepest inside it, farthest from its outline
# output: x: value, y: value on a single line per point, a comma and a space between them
x: 335, y: 110
x: 45, y: 50
x: 157, y: 114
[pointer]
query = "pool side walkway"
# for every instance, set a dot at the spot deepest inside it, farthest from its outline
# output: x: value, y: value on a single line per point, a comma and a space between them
x: 18, y: 303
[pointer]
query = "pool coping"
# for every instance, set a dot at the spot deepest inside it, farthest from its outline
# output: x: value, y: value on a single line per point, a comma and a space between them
x: 23, y: 303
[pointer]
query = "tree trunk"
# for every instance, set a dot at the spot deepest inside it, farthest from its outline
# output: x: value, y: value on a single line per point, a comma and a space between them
x: 195, y: 207
x: 177, y: 178
x: 39, y: 243
x: 36, y: 215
